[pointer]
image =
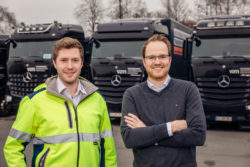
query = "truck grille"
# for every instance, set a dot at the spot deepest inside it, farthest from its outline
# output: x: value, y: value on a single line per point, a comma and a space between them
x: 113, y: 94
x: 19, y: 88
x: 237, y: 93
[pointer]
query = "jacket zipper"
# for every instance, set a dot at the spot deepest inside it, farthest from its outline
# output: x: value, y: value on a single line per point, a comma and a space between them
x: 78, y: 137
x: 69, y: 115
x: 100, y: 155
x: 99, y: 149
x: 43, y: 158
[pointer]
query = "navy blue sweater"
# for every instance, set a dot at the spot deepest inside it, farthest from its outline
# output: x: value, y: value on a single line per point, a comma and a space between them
x: 152, y: 146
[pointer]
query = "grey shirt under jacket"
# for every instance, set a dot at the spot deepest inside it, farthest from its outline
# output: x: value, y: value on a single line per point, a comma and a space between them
x: 152, y: 146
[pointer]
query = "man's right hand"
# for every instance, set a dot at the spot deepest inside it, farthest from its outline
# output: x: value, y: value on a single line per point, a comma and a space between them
x: 178, y: 125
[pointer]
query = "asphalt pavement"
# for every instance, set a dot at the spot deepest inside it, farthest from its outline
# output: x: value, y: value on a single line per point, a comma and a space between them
x: 226, y: 146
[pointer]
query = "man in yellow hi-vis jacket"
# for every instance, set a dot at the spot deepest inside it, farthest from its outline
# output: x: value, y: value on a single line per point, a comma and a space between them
x: 65, y: 117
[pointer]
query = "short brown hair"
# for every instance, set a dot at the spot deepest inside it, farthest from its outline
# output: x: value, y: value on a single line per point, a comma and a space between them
x: 155, y: 38
x: 67, y: 43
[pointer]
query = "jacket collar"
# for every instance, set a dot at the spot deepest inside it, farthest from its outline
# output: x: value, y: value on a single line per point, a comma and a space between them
x: 51, y: 85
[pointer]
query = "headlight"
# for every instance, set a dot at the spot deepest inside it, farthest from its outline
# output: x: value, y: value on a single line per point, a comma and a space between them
x: 247, y: 107
x: 8, y: 98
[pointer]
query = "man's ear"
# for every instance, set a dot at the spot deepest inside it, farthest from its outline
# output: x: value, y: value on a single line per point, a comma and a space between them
x: 170, y: 59
x: 143, y: 61
x: 82, y: 63
x: 54, y: 63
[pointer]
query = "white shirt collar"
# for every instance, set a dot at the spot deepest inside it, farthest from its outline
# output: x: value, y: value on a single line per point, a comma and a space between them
x: 61, y: 87
x: 164, y: 85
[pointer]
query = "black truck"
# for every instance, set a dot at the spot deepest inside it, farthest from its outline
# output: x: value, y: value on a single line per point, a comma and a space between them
x: 4, y: 51
x: 116, y: 60
x: 30, y: 57
x: 220, y: 65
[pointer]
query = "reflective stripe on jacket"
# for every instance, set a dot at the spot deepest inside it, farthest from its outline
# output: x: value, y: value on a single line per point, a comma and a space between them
x: 62, y: 134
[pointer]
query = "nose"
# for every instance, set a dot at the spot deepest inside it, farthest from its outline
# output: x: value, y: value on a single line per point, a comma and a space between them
x: 69, y: 65
x: 157, y: 60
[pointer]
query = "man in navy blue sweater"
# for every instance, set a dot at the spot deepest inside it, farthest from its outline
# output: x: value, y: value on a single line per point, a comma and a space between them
x: 162, y: 118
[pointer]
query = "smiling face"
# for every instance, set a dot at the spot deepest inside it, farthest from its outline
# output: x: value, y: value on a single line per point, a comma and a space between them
x: 68, y: 64
x: 157, y: 61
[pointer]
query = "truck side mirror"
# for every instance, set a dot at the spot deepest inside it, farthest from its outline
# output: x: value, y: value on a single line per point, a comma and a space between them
x: 187, y: 46
x: 14, y: 44
x: 197, y: 41
x: 97, y: 43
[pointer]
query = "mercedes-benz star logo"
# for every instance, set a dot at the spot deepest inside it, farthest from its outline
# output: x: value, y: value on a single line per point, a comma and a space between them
x: 224, y: 81
x: 116, y: 80
x: 27, y: 77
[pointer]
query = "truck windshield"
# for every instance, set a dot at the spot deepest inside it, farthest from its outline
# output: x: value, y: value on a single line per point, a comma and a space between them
x: 117, y: 49
x: 26, y: 50
x: 222, y: 47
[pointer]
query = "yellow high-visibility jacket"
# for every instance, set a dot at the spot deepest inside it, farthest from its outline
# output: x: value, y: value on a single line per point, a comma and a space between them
x: 62, y: 134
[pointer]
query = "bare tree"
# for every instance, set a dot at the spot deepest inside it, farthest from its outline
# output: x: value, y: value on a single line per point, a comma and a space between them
x: 128, y: 9
x: 119, y: 9
x: 8, y: 21
x: 88, y: 13
x: 221, y: 7
x: 176, y: 9
x: 180, y: 10
x: 138, y: 9
x: 234, y: 7
x: 203, y: 8
x: 167, y: 7
x: 217, y: 6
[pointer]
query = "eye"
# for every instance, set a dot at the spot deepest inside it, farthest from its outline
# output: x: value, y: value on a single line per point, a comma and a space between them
x: 163, y: 56
x: 63, y: 60
x: 151, y: 57
x: 75, y: 60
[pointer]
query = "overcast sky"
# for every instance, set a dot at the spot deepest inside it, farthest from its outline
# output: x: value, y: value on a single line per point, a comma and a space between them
x: 46, y: 11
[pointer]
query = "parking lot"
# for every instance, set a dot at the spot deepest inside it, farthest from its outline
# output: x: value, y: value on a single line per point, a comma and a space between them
x: 226, y: 146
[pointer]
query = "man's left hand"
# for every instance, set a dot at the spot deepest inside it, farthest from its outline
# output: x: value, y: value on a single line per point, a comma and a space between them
x: 133, y: 121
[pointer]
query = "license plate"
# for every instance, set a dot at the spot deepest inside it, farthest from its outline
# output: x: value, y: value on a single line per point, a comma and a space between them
x: 223, y: 118
x: 115, y: 114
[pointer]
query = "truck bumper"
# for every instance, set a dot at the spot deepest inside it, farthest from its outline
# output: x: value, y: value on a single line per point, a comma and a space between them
x: 227, y: 114
x: 114, y: 110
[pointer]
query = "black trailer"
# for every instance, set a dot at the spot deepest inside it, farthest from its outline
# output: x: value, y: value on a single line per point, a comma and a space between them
x: 220, y: 65
x: 30, y: 57
x: 116, y: 62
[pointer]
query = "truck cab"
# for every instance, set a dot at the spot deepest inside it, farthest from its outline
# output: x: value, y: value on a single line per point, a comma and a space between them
x: 30, y: 57
x: 220, y: 65
x: 4, y: 51
x: 116, y: 59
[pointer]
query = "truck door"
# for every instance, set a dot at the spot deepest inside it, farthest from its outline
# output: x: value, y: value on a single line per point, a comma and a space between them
x: 180, y: 60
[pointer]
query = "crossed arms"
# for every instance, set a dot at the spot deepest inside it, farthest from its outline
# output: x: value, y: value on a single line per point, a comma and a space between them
x: 186, y: 133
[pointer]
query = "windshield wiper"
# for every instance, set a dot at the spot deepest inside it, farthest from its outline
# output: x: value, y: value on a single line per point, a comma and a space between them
x: 120, y: 57
x: 99, y: 58
x: 36, y: 58
x: 16, y: 59
x: 102, y: 60
x: 214, y: 59
x: 242, y: 57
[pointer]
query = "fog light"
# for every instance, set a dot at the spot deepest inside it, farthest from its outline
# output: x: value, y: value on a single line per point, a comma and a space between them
x: 247, y: 107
